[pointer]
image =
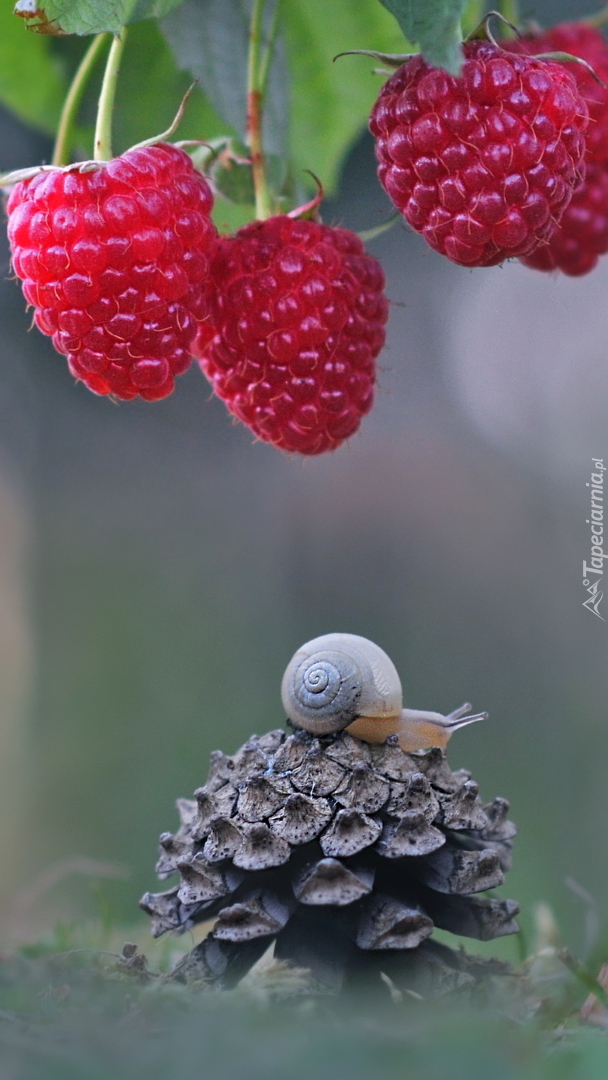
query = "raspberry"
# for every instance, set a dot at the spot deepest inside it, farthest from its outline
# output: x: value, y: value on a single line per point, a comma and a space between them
x: 575, y: 245
x: 581, y: 237
x: 113, y: 260
x: 579, y: 39
x: 482, y: 164
x: 297, y: 321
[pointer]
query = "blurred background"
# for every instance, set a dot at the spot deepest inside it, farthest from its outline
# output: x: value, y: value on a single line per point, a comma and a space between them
x: 157, y: 571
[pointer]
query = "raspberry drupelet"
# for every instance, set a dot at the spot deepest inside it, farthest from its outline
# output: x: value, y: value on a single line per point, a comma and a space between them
x: 485, y: 163
x: 297, y: 317
x: 114, y: 258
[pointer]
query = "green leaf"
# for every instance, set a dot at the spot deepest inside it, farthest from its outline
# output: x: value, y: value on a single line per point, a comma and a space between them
x: 150, y: 89
x: 434, y: 25
x: 210, y: 39
x: 33, y: 83
x: 330, y: 102
x: 88, y: 16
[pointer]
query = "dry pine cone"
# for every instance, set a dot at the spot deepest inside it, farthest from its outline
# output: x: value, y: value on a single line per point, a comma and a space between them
x: 346, y: 853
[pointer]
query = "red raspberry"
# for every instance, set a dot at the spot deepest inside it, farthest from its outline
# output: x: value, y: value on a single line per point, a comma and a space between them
x: 297, y: 321
x: 575, y: 245
x: 581, y: 237
x: 113, y: 260
x: 585, y: 41
x: 485, y: 163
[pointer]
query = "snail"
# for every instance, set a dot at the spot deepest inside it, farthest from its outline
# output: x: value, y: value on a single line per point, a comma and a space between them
x: 342, y: 682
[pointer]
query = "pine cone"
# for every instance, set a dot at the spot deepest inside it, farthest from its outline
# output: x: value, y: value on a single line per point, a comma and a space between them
x: 346, y: 853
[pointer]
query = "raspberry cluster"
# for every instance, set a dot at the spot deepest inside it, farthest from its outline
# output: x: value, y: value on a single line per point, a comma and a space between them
x: 577, y: 241
x: 481, y: 164
x: 114, y: 259
x: 297, y: 316
x: 125, y: 270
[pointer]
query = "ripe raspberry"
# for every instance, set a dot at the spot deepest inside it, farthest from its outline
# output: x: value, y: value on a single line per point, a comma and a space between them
x: 581, y: 237
x: 113, y: 261
x: 297, y: 321
x: 579, y: 39
x: 484, y: 164
x: 575, y: 244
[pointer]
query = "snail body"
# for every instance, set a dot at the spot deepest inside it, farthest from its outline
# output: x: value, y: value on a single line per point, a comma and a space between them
x: 342, y: 682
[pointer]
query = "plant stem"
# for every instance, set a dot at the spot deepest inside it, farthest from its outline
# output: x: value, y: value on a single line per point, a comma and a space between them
x: 599, y: 19
x: 268, y: 51
x: 63, y: 142
x: 583, y: 975
x: 255, y: 105
x: 105, y: 109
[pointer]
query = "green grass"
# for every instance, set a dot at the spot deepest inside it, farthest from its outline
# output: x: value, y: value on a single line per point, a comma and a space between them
x: 72, y: 1009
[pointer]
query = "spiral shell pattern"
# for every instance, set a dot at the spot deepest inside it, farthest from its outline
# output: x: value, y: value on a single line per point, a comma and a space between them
x: 326, y: 687
x: 334, y: 679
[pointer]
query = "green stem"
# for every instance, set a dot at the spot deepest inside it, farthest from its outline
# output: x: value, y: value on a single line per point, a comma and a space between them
x: 583, y: 975
x: 63, y: 142
x: 268, y: 51
x: 598, y: 20
x: 255, y: 102
x: 105, y: 109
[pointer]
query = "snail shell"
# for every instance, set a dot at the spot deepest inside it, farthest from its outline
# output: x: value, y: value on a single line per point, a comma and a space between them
x: 345, y: 681
x: 336, y: 678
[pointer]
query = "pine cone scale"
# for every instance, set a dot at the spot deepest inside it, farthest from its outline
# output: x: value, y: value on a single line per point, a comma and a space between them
x: 390, y: 924
x: 330, y: 882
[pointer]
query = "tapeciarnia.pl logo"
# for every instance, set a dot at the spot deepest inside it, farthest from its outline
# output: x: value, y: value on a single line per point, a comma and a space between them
x: 593, y: 571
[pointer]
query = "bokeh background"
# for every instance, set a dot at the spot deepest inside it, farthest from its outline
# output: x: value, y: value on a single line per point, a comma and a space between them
x: 157, y: 571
